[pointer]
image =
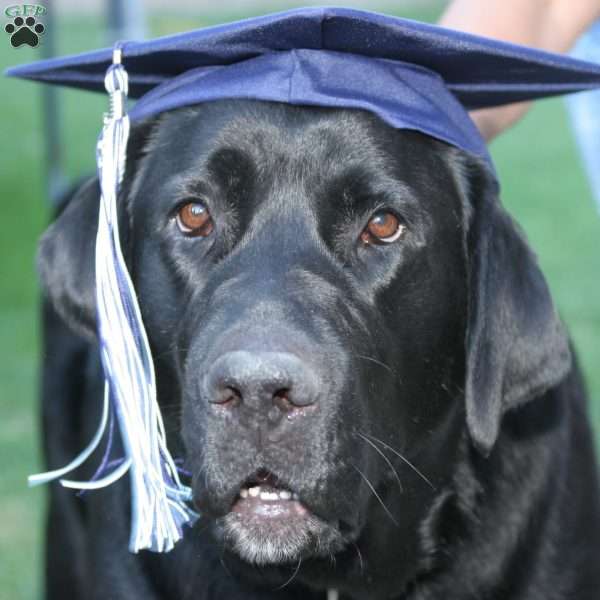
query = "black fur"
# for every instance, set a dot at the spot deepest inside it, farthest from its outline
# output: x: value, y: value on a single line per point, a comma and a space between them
x: 444, y: 348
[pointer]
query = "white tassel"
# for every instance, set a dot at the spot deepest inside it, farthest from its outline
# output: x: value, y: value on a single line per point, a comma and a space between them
x: 159, y: 498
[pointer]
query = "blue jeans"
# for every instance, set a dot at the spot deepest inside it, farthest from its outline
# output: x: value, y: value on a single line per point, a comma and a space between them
x: 584, y: 110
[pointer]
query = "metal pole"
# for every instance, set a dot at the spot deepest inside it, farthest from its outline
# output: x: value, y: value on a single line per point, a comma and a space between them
x: 126, y: 20
x: 56, y: 181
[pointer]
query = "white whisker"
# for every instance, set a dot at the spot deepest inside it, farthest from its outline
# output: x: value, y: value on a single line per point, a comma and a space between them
x: 387, y: 510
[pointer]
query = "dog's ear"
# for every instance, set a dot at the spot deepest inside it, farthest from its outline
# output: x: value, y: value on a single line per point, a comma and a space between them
x: 517, y: 347
x: 65, y: 259
x: 66, y: 252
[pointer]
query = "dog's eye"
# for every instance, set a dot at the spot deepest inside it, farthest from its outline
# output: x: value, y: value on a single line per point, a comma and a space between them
x: 383, y: 228
x: 194, y: 220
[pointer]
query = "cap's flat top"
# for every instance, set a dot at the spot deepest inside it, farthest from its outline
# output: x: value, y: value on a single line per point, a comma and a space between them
x: 480, y: 71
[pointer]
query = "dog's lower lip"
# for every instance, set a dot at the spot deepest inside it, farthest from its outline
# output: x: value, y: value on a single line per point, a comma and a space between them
x: 255, y: 508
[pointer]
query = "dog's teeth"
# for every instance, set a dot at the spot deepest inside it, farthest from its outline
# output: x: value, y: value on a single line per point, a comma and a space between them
x: 258, y: 492
x: 269, y: 496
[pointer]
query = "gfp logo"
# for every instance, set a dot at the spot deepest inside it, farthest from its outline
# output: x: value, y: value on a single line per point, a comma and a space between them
x: 25, y: 26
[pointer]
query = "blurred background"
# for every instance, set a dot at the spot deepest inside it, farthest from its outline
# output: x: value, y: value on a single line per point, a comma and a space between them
x: 542, y: 181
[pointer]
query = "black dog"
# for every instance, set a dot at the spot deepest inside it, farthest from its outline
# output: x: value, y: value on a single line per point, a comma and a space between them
x: 357, y: 356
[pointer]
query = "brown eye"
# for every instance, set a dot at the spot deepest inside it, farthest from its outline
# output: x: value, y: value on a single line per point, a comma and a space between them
x: 383, y: 228
x: 194, y: 220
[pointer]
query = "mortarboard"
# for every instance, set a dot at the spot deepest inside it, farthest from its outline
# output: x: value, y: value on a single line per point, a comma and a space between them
x: 412, y: 75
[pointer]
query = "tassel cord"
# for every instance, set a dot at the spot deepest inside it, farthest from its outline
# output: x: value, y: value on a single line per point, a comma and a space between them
x: 158, y: 509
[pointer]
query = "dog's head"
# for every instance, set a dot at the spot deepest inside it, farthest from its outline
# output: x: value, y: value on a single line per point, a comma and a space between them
x: 330, y: 303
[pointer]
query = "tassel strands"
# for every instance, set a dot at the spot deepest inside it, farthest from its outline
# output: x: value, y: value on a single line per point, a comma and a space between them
x: 159, y: 508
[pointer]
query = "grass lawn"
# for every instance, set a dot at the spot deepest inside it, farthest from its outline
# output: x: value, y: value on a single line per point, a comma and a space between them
x: 543, y: 186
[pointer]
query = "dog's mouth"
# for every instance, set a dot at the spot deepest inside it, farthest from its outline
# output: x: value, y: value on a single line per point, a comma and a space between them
x: 263, y: 497
x: 268, y: 523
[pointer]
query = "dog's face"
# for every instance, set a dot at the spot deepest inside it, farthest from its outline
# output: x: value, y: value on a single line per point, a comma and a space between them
x: 312, y: 283
x: 307, y: 270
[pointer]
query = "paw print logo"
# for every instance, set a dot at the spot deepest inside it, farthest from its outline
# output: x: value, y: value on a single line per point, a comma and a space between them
x: 24, y: 31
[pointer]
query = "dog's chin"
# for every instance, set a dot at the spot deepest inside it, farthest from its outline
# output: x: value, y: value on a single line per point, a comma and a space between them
x: 273, y: 527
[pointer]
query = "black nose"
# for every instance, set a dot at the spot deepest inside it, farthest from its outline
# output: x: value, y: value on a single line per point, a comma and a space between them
x: 261, y: 380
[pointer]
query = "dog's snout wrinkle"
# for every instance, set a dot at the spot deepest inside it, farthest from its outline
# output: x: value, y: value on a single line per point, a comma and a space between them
x: 271, y: 383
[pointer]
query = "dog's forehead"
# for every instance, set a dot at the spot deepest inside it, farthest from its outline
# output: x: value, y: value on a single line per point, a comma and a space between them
x: 297, y: 147
x: 268, y: 131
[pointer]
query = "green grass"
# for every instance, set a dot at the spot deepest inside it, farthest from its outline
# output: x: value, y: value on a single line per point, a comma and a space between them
x: 543, y: 186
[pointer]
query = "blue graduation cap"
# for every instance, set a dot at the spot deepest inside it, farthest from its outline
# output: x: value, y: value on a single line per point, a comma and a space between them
x: 412, y: 75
